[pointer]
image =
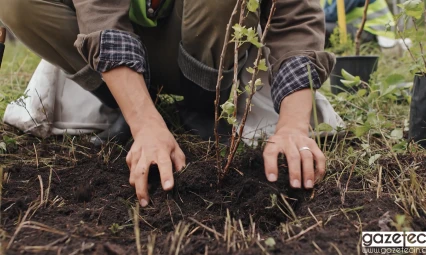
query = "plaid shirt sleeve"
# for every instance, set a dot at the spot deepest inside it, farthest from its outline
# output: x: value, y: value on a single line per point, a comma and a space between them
x: 293, y: 76
x: 118, y: 48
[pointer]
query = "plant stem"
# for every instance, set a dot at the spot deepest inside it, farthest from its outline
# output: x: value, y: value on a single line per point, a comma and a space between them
x: 405, y: 44
x: 235, y: 80
x: 420, y: 44
x: 314, y: 105
x: 219, y: 81
x: 252, y: 92
x: 361, y: 28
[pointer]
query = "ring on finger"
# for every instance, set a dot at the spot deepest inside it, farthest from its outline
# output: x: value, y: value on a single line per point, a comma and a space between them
x: 305, y: 149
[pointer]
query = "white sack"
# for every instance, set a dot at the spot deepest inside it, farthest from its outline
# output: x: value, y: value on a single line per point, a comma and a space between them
x: 55, y: 105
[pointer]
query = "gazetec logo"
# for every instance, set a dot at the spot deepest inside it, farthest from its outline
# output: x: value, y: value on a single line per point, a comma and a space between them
x: 394, y: 239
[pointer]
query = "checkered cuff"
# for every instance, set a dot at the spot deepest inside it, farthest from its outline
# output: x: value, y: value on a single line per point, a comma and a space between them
x: 118, y: 48
x: 293, y: 76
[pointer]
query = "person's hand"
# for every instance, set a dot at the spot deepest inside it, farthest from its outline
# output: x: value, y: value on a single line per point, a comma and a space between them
x: 293, y: 144
x: 154, y: 144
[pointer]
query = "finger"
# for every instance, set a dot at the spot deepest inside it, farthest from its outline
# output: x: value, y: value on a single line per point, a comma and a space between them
x: 307, y: 168
x: 140, y: 175
x: 166, y: 170
x: 293, y: 159
x: 270, y: 158
x: 132, y: 159
x: 179, y: 159
x: 320, y: 161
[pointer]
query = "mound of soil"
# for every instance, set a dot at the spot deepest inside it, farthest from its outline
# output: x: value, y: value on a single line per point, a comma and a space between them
x: 90, y: 205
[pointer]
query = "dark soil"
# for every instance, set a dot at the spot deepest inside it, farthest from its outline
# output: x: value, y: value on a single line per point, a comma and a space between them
x: 90, y: 206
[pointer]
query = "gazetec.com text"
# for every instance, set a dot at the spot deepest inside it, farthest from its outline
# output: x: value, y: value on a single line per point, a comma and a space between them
x: 394, y: 239
x: 394, y: 242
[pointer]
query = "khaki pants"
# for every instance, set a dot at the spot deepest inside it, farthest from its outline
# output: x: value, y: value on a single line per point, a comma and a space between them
x: 189, y: 41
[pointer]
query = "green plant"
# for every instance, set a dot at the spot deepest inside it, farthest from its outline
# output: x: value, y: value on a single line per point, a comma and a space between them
x: 115, y: 228
x: 240, y: 36
x: 376, y: 106
x: 414, y: 10
x: 7, y: 142
x: 339, y: 48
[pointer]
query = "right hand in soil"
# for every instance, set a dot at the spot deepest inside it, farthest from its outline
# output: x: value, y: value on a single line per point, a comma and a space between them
x: 154, y: 144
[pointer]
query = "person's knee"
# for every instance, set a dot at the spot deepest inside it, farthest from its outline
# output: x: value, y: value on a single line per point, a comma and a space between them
x: 14, y: 13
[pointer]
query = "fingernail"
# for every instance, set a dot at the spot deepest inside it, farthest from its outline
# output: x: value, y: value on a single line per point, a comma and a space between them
x: 296, y: 183
x: 168, y: 184
x: 272, y: 177
x: 144, y: 202
x: 309, y: 184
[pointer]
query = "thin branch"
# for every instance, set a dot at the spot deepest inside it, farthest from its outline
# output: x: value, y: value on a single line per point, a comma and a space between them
x: 420, y: 43
x: 235, y: 80
x: 253, y: 89
x: 219, y: 81
x: 361, y: 28
x: 405, y: 44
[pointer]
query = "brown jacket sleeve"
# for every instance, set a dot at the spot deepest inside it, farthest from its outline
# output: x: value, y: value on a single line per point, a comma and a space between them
x: 297, y: 29
x: 105, y: 30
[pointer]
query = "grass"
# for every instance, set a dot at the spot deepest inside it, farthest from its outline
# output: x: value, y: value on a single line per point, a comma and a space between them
x: 373, y: 152
x: 17, y: 68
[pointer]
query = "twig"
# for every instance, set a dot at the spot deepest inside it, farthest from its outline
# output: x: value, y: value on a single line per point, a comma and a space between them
x: 206, y: 228
x: 304, y: 232
x: 219, y: 82
x: 253, y: 90
x: 136, y: 228
x: 405, y: 44
x: 379, y: 183
x: 48, y: 186
x: 35, y: 151
x: 235, y: 82
x: 361, y: 28
x: 41, y: 190
x: 420, y: 42
x: 41, y: 102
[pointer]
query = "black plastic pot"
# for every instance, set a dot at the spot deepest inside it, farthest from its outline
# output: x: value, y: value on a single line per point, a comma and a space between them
x: 362, y: 66
x: 417, y: 131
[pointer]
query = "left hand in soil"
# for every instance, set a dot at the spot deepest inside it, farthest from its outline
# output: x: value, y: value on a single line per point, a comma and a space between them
x: 300, y: 163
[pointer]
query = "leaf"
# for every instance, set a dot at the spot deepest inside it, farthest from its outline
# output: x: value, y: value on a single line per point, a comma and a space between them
x: 373, y: 159
x: 232, y: 120
x: 397, y: 134
x: 3, y: 147
x: 248, y: 89
x: 251, y: 35
x: 324, y: 127
x: 253, y: 5
x: 250, y: 70
x: 270, y: 242
x: 238, y: 31
x: 347, y: 76
x: 389, y: 90
x: 400, y: 147
x: 395, y: 79
x: 361, y: 92
x: 413, y: 8
x: 258, y: 82
x: 348, y: 83
x: 362, y: 130
x: 262, y: 65
x: 228, y: 107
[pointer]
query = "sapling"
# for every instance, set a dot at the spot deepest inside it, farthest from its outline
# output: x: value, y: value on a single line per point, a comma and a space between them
x: 240, y: 36
x: 413, y: 10
x: 361, y: 28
